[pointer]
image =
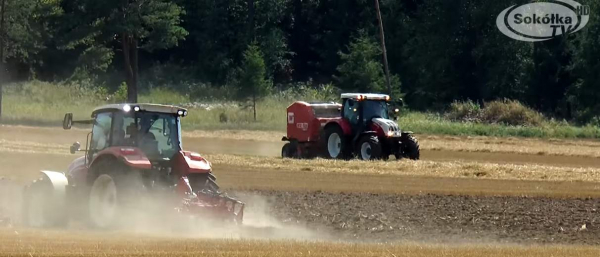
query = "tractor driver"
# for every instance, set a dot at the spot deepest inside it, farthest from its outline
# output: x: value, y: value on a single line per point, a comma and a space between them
x: 140, y: 135
x: 352, y: 114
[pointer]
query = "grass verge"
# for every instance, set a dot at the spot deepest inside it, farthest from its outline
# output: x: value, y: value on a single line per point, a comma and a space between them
x: 44, y: 104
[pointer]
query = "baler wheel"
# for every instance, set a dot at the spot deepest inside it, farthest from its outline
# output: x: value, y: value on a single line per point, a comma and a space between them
x: 286, y: 151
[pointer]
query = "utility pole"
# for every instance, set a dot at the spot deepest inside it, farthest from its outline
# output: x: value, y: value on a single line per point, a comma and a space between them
x: 385, y: 60
x: 2, y: 39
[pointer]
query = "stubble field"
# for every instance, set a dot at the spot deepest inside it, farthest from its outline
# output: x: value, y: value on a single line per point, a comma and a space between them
x: 468, y: 196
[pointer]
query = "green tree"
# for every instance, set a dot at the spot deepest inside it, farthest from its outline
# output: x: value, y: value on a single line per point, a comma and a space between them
x: 584, y: 94
x: 252, y: 82
x: 134, y: 24
x: 455, y: 52
x: 361, y: 68
x: 220, y: 32
x: 24, y: 35
x: 27, y: 31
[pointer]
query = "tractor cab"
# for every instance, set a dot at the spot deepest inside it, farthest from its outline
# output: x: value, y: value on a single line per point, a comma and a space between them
x: 153, y: 129
x: 359, y: 109
x: 365, y: 112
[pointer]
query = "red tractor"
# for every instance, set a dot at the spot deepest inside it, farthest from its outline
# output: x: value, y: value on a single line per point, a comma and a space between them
x: 133, y: 152
x: 360, y: 126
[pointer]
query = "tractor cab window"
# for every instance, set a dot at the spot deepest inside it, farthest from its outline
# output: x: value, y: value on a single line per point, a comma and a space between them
x: 156, y: 134
x: 123, y: 124
x: 351, y: 111
x: 375, y: 109
x: 101, y: 132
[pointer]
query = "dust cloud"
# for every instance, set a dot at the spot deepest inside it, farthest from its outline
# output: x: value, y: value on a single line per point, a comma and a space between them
x: 258, y: 224
x: 10, y: 204
x: 153, y: 216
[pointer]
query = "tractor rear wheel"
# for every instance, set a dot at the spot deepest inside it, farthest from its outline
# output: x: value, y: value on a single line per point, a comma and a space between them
x: 369, y: 148
x: 40, y: 208
x: 103, y: 202
x: 335, y: 143
x: 115, y: 191
x: 409, y: 148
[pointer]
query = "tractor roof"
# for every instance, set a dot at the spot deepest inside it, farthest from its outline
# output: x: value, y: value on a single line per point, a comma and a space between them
x: 171, y: 109
x: 369, y: 96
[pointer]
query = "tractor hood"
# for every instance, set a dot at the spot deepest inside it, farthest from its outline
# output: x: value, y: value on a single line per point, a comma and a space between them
x: 389, y: 127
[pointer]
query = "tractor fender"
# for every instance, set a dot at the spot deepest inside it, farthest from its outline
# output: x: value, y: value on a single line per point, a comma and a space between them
x: 130, y: 156
x: 187, y: 162
x: 346, y: 129
x: 359, y: 136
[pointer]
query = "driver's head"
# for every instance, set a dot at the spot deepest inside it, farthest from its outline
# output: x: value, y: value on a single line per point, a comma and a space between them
x: 132, y: 130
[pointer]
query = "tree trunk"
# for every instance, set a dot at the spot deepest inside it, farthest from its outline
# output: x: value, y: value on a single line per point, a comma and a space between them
x: 385, y: 60
x: 133, y: 96
x: 3, y: 74
x: 130, y: 61
x: 251, y: 20
x: 254, y: 104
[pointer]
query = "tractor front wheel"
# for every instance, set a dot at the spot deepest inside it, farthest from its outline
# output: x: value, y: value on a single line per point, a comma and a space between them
x: 369, y: 148
x: 409, y: 148
x: 204, y: 181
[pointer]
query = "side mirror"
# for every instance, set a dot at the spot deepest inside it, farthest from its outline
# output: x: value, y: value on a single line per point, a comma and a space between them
x: 75, y: 147
x: 400, y: 102
x: 68, y: 121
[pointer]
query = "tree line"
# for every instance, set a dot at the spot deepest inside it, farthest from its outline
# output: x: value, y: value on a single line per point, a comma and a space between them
x: 438, y: 51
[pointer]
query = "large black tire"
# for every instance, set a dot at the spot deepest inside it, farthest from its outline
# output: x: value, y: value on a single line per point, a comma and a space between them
x: 285, y: 151
x: 369, y: 148
x: 335, y: 144
x: 410, y: 147
x: 39, y: 209
x: 290, y: 150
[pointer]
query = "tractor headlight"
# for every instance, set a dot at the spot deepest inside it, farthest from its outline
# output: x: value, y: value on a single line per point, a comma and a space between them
x: 136, y: 108
x: 182, y: 113
x: 127, y: 108
x: 390, y: 133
